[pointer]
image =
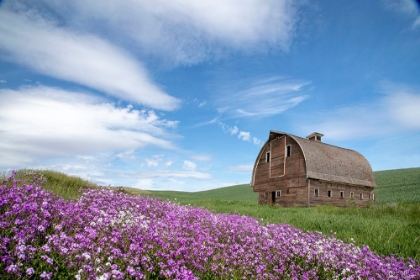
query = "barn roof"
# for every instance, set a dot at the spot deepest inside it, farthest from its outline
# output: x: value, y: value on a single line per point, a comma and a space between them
x: 331, y: 163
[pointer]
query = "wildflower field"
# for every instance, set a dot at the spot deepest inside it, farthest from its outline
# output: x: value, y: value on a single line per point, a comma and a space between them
x: 107, y: 234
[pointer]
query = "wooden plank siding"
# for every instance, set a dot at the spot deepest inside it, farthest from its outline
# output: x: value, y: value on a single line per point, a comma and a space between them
x: 336, y: 188
x: 277, y: 148
x: 285, y: 174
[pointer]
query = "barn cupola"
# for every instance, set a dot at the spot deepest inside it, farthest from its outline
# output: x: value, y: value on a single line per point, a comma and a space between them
x: 315, y: 136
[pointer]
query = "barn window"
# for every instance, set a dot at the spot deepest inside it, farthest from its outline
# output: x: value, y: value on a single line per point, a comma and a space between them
x: 316, y: 193
x: 361, y: 196
x: 278, y: 193
x: 352, y: 195
x: 288, y: 151
x: 341, y: 194
x: 267, y: 157
x: 329, y: 193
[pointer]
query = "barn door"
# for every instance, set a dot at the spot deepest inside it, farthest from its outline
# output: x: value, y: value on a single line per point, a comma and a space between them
x: 273, y: 198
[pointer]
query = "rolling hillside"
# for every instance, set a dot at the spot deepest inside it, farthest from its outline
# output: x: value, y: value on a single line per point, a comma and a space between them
x: 400, y: 185
x: 238, y: 192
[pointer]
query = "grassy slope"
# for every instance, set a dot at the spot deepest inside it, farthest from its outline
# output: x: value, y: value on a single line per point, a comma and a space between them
x: 238, y: 192
x: 401, y: 185
x: 62, y: 184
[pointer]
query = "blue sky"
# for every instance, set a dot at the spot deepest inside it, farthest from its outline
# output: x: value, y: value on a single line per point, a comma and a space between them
x: 181, y: 95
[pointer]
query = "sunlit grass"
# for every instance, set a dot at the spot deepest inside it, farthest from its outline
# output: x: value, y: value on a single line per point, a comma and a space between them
x: 60, y: 183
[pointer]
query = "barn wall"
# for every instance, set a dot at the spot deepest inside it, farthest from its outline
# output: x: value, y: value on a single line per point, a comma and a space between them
x: 335, y: 199
x: 283, y: 173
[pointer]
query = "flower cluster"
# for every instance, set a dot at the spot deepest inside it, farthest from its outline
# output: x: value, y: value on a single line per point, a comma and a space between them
x: 107, y: 234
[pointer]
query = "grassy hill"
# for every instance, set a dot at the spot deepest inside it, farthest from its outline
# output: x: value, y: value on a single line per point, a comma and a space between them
x: 400, y: 185
x: 238, y: 192
x: 393, y: 186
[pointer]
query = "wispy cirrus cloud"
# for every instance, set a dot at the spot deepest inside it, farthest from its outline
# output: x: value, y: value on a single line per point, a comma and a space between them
x: 409, y: 8
x: 168, y: 174
x: 46, y: 122
x: 242, y: 135
x: 262, y: 98
x: 243, y: 168
x: 397, y: 110
x: 183, y: 32
x: 44, y: 46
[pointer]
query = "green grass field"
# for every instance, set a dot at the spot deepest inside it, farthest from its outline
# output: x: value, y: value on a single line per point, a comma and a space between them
x: 391, y: 226
x: 401, y: 185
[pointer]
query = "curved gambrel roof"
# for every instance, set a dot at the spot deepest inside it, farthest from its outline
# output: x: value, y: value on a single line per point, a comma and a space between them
x: 330, y: 163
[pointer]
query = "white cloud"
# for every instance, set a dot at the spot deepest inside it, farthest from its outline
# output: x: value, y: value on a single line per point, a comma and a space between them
x: 244, y: 135
x: 244, y: 168
x: 77, y: 57
x: 202, y: 104
x: 126, y: 155
x: 46, y: 122
x: 262, y: 98
x: 87, y: 159
x: 403, y: 104
x: 168, y: 174
x: 229, y: 129
x: 154, y: 161
x: 256, y: 141
x: 184, y: 31
x: 397, y: 110
x: 144, y: 184
x: 234, y: 130
x: 410, y: 8
x: 2, y: 81
x: 189, y: 165
x: 200, y: 157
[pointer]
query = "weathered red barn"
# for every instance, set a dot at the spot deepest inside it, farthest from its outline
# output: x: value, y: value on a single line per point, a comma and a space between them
x: 293, y: 171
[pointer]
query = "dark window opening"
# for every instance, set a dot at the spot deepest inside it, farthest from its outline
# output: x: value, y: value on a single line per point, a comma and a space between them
x: 341, y: 194
x: 267, y: 157
x: 329, y: 193
x: 352, y: 195
x: 288, y: 151
x: 361, y: 196
x: 316, y: 192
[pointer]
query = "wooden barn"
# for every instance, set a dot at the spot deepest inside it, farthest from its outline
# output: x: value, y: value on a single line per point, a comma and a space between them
x: 293, y: 171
